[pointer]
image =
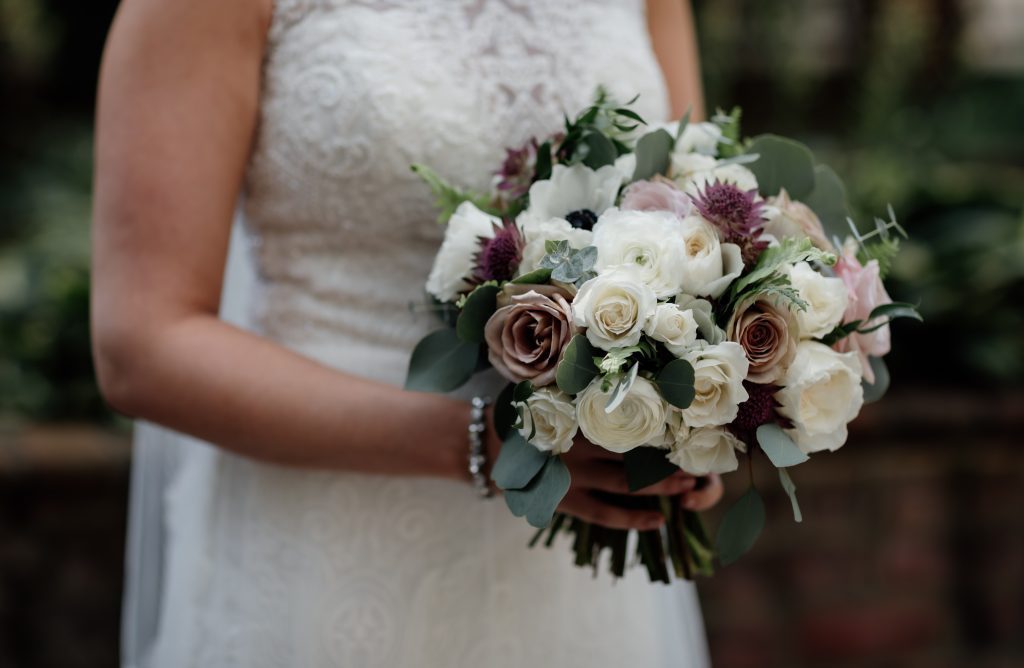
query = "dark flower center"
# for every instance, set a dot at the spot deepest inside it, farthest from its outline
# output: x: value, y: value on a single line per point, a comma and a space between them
x: 583, y: 219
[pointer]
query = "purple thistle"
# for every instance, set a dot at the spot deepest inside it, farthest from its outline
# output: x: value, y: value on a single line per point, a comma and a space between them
x: 737, y: 214
x: 500, y: 255
x: 516, y: 173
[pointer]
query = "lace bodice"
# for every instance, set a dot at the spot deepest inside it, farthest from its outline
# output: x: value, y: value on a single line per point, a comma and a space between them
x: 263, y: 566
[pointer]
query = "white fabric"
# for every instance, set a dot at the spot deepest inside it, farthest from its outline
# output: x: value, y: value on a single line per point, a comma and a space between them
x: 232, y: 562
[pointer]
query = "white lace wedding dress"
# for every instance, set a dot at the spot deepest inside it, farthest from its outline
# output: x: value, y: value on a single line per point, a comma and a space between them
x: 232, y: 562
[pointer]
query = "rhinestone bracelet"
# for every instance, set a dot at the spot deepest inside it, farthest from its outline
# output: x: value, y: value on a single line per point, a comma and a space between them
x: 477, y: 453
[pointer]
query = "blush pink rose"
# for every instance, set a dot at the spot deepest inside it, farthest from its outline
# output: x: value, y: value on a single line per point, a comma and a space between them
x: 864, y: 286
x: 659, y: 194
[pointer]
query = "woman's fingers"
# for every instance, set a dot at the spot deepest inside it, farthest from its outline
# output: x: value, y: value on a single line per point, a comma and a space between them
x: 708, y: 495
x: 582, y: 504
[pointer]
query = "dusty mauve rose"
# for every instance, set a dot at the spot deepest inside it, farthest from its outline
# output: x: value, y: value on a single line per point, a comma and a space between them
x: 526, y: 335
x: 764, y: 331
x: 866, y: 292
x: 658, y: 194
x: 789, y: 218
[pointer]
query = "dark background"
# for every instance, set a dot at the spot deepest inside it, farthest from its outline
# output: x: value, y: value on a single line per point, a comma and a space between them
x: 912, y: 548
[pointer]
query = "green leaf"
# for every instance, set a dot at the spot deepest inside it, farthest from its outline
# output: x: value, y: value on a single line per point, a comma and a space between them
x: 441, y: 362
x: 577, y: 368
x: 542, y: 171
x: 782, y: 163
x: 646, y: 466
x: 653, y: 154
x: 518, y: 463
x: 599, y: 150
x: 629, y: 113
x: 505, y: 414
x: 874, y: 392
x: 895, y: 310
x: 538, y: 500
x: 790, y: 488
x: 779, y: 447
x: 522, y: 391
x: 828, y: 200
x: 771, y: 263
x: 740, y: 527
x: 681, y: 126
x: 675, y: 381
x: 447, y: 198
x: 479, y: 307
x: 535, y: 277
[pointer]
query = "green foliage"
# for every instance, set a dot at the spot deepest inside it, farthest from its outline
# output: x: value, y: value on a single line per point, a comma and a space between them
x: 731, y: 143
x: 539, y: 499
x: 518, y: 463
x: 447, y: 198
x: 441, y: 362
x: 505, y: 414
x: 567, y: 264
x: 653, y: 154
x: 883, y: 251
x: 828, y: 200
x: 779, y: 447
x: 479, y: 306
x: 646, y: 466
x: 594, y: 136
x: 740, y: 527
x: 782, y: 163
x: 790, y: 489
x: 675, y: 381
x: 576, y: 369
x: 875, y: 391
x: 767, y: 279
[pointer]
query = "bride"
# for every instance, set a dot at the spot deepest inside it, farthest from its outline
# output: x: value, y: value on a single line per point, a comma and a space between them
x: 306, y: 511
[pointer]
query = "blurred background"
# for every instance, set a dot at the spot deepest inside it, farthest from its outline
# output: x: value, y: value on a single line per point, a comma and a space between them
x: 912, y: 549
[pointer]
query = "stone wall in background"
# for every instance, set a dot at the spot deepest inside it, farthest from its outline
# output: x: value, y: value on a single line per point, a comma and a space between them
x: 911, y: 553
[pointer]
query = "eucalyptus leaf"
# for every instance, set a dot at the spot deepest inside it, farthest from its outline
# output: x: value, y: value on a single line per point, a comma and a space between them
x: 790, y: 488
x: 441, y: 362
x: 618, y: 395
x: 518, y: 463
x: 675, y: 381
x: 599, y: 150
x: 653, y: 154
x: 538, y: 500
x: 479, y: 307
x: 646, y: 466
x: 681, y: 126
x: 779, y: 447
x: 505, y: 414
x: 740, y: 527
x: 576, y: 368
x: 783, y: 163
x: 875, y: 391
x: 828, y: 201
x: 535, y: 277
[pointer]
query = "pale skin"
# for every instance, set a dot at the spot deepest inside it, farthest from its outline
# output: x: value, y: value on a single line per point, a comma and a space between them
x: 178, y: 102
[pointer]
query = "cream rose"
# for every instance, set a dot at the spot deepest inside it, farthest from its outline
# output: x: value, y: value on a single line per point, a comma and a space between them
x: 768, y: 335
x: 719, y: 372
x: 673, y: 326
x: 456, y: 258
x: 614, y: 307
x: 710, y: 266
x: 789, y: 218
x: 536, y: 232
x: 651, y: 242
x: 550, y: 415
x: 707, y: 450
x: 826, y: 301
x: 822, y: 392
x: 638, y: 420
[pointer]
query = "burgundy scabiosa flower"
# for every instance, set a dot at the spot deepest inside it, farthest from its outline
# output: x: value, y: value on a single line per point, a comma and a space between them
x: 500, y: 255
x: 758, y: 409
x: 737, y: 214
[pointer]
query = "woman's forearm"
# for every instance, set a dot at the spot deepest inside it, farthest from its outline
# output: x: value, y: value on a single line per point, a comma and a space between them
x: 204, y: 377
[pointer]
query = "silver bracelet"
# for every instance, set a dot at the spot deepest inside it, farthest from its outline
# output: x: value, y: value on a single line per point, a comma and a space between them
x: 477, y: 453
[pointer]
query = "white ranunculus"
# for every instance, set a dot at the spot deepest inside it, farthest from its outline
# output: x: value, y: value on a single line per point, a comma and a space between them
x: 821, y: 393
x: 710, y: 265
x: 456, y: 258
x: 675, y: 327
x: 638, y: 420
x: 536, y: 232
x: 826, y: 299
x: 707, y: 450
x: 614, y: 307
x: 698, y: 138
x: 574, y: 188
x: 676, y: 429
x: 692, y: 171
x: 718, y: 372
x: 649, y: 241
x: 685, y: 167
x: 550, y: 415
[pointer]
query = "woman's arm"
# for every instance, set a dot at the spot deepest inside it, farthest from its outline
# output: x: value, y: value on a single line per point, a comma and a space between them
x: 670, y: 23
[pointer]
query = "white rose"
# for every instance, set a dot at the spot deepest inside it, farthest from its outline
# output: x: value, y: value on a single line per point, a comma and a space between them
x: 638, y: 420
x: 456, y: 258
x: 574, y: 188
x: 536, y: 232
x: 649, y: 241
x: 698, y: 138
x: 550, y: 415
x: 718, y: 373
x: 710, y: 265
x: 675, y: 327
x: 826, y: 299
x: 614, y: 307
x: 822, y: 392
x: 676, y: 429
x: 693, y: 171
x: 707, y: 450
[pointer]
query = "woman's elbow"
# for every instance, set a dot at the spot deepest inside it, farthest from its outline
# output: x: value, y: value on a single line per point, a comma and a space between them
x: 116, y: 357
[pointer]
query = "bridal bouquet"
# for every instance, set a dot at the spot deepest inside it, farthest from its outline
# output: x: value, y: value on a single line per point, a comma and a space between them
x: 672, y: 293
